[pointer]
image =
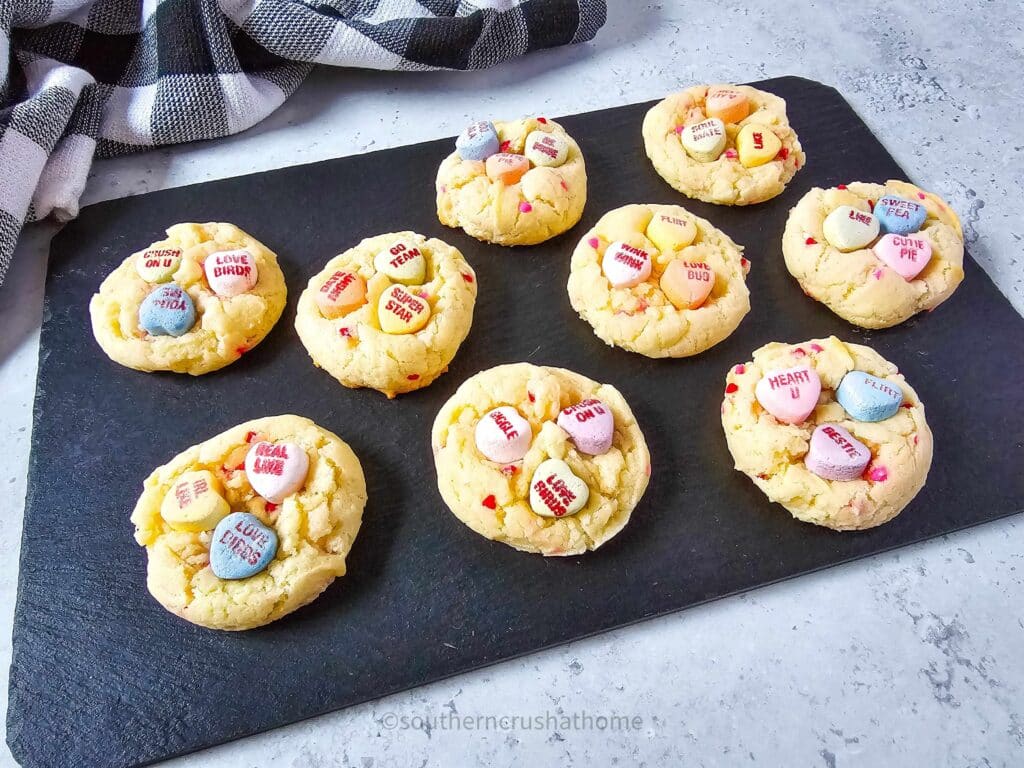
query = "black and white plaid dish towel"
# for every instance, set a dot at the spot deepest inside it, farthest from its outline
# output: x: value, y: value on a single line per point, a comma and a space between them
x: 94, y: 78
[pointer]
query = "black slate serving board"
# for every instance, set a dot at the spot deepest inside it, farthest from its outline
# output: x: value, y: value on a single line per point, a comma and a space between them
x: 103, y: 676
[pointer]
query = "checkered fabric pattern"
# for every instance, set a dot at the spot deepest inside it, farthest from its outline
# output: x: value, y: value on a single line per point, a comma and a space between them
x: 88, y: 78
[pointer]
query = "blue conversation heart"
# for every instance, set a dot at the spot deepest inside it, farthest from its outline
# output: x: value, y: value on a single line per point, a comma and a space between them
x: 868, y: 398
x: 167, y: 311
x: 478, y: 142
x: 898, y: 216
x: 241, y: 547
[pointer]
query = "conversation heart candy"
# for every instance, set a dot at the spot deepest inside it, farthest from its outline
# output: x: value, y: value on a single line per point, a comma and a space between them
x: 590, y: 425
x: 906, y: 255
x: 789, y: 394
x: 241, y: 546
x: 704, y: 141
x: 403, y: 262
x: 687, y: 284
x: 624, y: 265
x: 230, y: 273
x: 849, y: 229
x: 340, y: 294
x: 835, y: 454
x: 158, y: 265
x: 194, y: 502
x: 868, y: 398
x: 507, y: 168
x: 276, y: 470
x: 478, y: 141
x: 503, y: 435
x: 555, y: 491
x: 167, y: 311
x: 400, y: 311
x: 757, y: 145
x: 900, y: 216
x: 547, y: 149
x: 671, y: 233
x: 727, y: 104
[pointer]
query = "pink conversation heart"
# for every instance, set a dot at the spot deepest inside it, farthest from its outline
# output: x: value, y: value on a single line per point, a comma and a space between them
x: 625, y: 266
x: 789, y: 394
x: 230, y: 273
x: 276, y: 470
x: 906, y: 255
x: 835, y: 454
x: 590, y: 425
x: 503, y: 435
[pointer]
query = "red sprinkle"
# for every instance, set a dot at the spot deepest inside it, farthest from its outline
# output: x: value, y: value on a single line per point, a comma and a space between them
x: 784, y: 153
x: 249, y: 436
x: 906, y: 405
x: 530, y: 395
x: 841, y: 186
x: 922, y: 195
x: 241, y: 350
x: 871, y: 204
x: 732, y: 154
x: 505, y: 145
x: 817, y: 347
x: 915, y: 439
x: 542, y: 120
x: 740, y: 369
x: 743, y: 262
x: 412, y: 376
x: 679, y: 128
x: 467, y: 278
x: 510, y: 469
x: 346, y: 332
x: 810, y: 241
x: 878, y: 474
x: 564, y: 185
x: 525, y: 207
x: 730, y: 388
x: 878, y: 274
x: 642, y: 305
x: 490, y: 502
x: 593, y: 243
x: 271, y: 506
x: 799, y: 352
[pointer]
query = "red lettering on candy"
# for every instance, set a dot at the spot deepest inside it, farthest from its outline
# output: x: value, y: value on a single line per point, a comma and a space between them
x: 402, y: 255
x: 268, y: 467
x: 232, y: 269
x: 555, y: 494
x: 847, y: 447
x: 544, y: 146
x: 337, y: 283
x: 398, y: 303
x: 586, y: 410
x: 509, y: 431
x: 860, y: 217
x: 780, y: 380
x: 272, y: 449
